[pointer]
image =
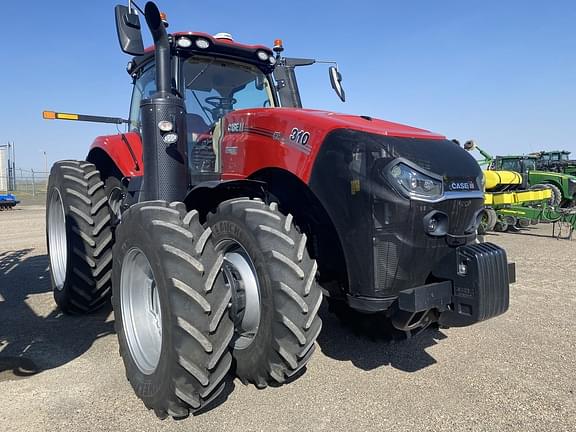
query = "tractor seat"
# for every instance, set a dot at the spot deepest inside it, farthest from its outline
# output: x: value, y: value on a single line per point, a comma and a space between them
x: 196, y: 126
x: 202, y: 158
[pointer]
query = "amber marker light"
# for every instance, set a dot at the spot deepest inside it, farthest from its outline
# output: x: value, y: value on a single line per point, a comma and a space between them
x: 64, y: 116
x: 164, y: 19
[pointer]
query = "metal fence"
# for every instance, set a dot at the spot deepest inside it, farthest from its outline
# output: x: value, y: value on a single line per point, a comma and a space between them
x: 25, y: 183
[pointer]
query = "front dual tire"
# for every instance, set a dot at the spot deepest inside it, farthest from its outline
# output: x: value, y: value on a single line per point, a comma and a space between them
x: 171, y: 308
x: 275, y: 295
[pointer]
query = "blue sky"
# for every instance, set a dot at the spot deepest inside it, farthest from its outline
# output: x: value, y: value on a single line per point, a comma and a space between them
x: 501, y: 72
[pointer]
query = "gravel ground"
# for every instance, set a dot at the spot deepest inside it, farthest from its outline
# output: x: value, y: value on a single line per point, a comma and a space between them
x: 515, y: 372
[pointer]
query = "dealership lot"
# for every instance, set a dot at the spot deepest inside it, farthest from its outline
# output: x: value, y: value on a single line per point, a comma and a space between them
x: 515, y: 372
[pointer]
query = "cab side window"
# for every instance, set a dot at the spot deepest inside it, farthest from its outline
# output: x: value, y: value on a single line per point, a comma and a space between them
x: 144, y: 87
x: 511, y: 165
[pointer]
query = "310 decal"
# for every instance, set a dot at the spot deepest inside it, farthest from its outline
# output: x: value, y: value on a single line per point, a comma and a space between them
x: 300, y: 136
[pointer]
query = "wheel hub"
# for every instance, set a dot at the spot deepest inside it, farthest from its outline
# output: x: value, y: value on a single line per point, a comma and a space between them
x: 141, y: 311
x: 240, y: 275
x: 57, y: 242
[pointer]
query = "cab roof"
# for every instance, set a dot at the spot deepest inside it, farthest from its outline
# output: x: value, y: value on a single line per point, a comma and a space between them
x: 517, y: 157
x: 219, y: 46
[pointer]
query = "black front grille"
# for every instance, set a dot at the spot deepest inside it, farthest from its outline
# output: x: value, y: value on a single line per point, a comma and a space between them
x: 386, y: 257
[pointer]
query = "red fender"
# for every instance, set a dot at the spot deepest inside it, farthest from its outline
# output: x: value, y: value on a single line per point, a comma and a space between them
x: 125, y: 152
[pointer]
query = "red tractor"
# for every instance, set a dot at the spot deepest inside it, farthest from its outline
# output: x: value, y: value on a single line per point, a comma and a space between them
x: 225, y: 212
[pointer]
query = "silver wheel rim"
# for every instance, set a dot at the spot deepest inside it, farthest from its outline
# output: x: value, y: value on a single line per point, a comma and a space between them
x: 240, y: 276
x: 57, y: 242
x: 141, y: 311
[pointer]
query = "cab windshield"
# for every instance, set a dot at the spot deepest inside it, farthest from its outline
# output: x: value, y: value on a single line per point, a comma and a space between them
x: 511, y: 165
x: 213, y: 88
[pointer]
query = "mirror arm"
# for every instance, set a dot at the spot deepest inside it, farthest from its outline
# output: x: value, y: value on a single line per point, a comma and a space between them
x: 330, y: 62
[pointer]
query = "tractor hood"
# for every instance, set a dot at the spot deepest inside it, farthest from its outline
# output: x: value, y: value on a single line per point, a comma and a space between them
x: 551, y: 174
x: 429, y: 150
x: 320, y: 123
x: 302, y: 133
x: 328, y: 121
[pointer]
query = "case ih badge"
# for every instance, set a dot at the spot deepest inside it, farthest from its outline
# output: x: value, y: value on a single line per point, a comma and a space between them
x: 462, y: 185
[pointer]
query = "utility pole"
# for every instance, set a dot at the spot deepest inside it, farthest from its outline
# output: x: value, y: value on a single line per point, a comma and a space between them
x: 14, y: 162
x: 45, y: 161
x: 11, y: 167
x: 12, y: 178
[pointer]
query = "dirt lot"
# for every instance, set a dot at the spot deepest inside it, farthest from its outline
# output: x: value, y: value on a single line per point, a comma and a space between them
x: 515, y: 372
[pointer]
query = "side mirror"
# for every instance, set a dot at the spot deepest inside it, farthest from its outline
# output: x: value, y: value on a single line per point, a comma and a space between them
x: 128, y: 29
x: 469, y: 145
x: 336, y: 82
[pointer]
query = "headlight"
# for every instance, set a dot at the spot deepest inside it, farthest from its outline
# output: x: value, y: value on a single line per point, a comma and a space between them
x: 184, y: 42
x: 262, y: 55
x: 170, y: 138
x: 202, y: 43
x: 415, y: 183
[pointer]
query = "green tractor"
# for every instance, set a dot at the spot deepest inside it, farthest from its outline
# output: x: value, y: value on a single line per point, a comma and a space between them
x: 556, y: 161
x: 563, y: 185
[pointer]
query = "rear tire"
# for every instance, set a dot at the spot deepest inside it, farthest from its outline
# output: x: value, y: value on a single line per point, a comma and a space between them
x: 79, y: 237
x: 167, y: 281
x: 488, y: 220
x: 556, y: 198
x: 557, y: 193
x: 282, y: 341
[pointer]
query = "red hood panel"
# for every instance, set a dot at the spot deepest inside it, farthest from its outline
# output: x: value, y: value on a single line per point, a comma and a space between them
x: 328, y: 121
x: 289, y: 139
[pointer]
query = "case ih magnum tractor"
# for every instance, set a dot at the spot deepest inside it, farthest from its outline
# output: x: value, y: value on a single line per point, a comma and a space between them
x: 216, y: 222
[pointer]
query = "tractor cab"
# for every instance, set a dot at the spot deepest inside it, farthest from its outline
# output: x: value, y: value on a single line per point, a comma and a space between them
x: 554, y: 159
x: 556, y: 156
x: 520, y: 164
x: 216, y: 75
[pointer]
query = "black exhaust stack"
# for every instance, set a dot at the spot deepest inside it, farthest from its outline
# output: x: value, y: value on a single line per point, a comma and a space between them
x: 162, y: 49
x: 165, y: 159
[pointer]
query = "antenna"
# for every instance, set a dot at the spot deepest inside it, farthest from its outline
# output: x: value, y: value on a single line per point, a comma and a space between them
x: 132, y: 5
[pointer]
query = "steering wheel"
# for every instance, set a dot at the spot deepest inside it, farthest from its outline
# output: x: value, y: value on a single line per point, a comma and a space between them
x: 220, y: 102
x: 221, y: 106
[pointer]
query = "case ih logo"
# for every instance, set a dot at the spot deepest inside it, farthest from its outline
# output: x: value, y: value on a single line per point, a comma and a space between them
x: 461, y: 185
x: 236, y: 127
